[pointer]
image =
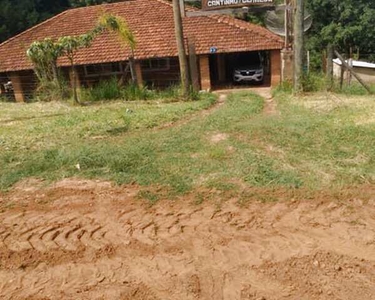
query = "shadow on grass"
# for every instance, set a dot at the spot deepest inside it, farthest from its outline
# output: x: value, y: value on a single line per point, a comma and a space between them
x: 118, y: 130
x: 30, y: 118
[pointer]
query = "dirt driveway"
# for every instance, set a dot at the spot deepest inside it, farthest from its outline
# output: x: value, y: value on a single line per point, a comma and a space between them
x: 90, y: 240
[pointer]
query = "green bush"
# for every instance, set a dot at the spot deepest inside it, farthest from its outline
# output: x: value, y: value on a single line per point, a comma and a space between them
x: 284, y: 87
x: 132, y: 92
x: 171, y: 93
x: 105, y: 90
x: 111, y: 90
x: 314, y: 82
x: 3, y: 98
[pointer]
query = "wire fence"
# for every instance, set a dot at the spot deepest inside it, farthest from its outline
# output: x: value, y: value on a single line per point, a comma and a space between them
x: 156, y: 74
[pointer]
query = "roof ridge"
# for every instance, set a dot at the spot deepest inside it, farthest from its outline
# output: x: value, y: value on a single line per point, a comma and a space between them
x: 226, y: 19
x: 187, y: 6
x: 165, y: 2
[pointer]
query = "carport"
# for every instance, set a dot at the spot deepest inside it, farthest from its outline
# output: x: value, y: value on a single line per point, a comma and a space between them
x: 224, y: 65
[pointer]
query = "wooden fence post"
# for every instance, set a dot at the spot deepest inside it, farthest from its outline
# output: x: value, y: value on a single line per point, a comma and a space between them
x: 350, y: 69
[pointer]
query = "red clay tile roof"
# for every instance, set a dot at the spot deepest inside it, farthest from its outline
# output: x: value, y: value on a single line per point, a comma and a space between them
x: 152, y: 23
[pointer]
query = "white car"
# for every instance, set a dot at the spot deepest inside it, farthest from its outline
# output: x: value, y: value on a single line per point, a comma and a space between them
x: 249, y: 74
x: 249, y: 67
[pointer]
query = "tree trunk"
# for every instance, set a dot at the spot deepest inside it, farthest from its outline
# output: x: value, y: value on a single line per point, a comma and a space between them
x: 132, y: 68
x: 184, y: 71
x: 56, y: 78
x: 74, y: 79
x: 298, y: 45
x: 286, y: 28
x: 38, y: 73
x: 55, y: 72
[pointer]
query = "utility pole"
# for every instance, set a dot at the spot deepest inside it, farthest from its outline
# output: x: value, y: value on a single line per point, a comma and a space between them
x: 184, y: 71
x: 299, y: 17
x: 287, y: 16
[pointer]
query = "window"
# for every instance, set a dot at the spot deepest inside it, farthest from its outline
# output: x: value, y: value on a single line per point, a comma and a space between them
x: 103, y: 69
x: 157, y: 64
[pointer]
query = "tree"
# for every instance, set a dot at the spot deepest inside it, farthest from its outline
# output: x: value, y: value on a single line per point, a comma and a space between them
x: 181, y: 48
x: 69, y: 45
x: 79, y: 3
x: 298, y: 44
x: 18, y: 15
x: 44, y: 56
x: 346, y: 24
x: 125, y: 34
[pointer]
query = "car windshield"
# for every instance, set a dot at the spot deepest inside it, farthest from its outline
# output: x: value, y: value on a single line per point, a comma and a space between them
x: 248, y: 60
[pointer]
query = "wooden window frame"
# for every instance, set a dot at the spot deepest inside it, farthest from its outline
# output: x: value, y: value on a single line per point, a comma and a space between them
x: 88, y: 74
x: 153, y: 69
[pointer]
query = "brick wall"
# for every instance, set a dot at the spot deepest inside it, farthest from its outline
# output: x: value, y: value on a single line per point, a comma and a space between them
x: 287, y: 65
x: 204, y: 67
x: 275, y: 67
x: 24, y: 84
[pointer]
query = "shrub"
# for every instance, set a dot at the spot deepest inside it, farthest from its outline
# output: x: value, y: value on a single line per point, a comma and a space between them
x: 132, y: 92
x: 171, y: 93
x: 314, y: 82
x: 52, y: 90
x: 105, y: 90
x: 111, y: 90
x: 284, y: 87
x: 4, y: 98
x: 174, y: 93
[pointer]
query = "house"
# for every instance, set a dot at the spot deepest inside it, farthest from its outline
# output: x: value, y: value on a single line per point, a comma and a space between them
x: 364, y: 69
x: 218, y: 40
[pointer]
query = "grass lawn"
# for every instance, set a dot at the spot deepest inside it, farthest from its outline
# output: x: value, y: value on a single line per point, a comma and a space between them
x: 318, y: 141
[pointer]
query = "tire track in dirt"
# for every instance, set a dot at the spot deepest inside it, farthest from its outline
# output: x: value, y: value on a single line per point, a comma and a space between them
x: 51, y: 231
x: 116, y: 248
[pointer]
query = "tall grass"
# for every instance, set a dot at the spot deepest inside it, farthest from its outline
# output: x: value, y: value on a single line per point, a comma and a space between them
x: 179, y: 157
x: 314, y: 82
x: 132, y: 92
x: 4, y: 98
x: 355, y: 89
x: 55, y: 90
x: 105, y: 90
x: 111, y: 90
x: 317, y: 82
x: 302, y: 146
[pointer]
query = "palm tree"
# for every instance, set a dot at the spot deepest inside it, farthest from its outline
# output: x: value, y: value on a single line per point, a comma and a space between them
x: 125, y: 35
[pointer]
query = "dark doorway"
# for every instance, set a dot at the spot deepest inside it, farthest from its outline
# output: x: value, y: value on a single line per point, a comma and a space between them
x: 240, y: 69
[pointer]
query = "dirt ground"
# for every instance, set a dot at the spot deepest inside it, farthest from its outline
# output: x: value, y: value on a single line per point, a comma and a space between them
x: 90, y: 240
